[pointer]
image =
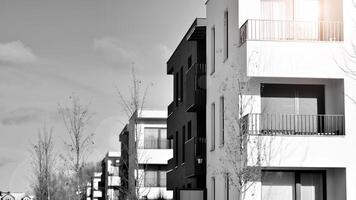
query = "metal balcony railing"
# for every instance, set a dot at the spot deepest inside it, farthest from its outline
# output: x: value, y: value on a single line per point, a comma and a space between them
x: 288, y: 124
x: 171, y: 164
x: 274, y: 30
x: 195, y: 150
x: 195, y: 90
x: 171, y: 108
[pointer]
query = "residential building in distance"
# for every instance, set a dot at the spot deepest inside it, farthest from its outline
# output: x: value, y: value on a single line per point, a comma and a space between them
x: 96, y: 190
x: 124, y: 164
x: 186, y: 123
x: 110, y: 176
x: 275, y: 80
x: 146, y: 153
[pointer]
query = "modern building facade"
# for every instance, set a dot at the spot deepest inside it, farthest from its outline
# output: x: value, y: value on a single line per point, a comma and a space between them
x: 145, y: 136
x: 186, y: 115
x: 110, y: 176
x: 275, y: 77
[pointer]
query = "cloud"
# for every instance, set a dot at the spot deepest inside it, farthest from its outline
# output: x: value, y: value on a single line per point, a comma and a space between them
x: 22, y: 115
x: 164, y: 51
x: 114, y: 50
x: 5, y: 160
x: 16, y: 52
x: 145, y: 56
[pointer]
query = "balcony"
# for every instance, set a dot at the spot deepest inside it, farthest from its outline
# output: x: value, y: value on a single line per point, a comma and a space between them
x: 287, y: 124
x: 283, y: 30
x: 195, y: 91
x: 171, y: 164
x: 171, y: 108
x: 195, y: 157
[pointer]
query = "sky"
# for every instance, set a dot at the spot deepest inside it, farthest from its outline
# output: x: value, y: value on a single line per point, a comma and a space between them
x: 51, y: 49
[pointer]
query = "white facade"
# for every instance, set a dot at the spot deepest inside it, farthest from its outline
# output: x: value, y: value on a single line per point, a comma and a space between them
x: 273, y: 50
x: 148, y: 129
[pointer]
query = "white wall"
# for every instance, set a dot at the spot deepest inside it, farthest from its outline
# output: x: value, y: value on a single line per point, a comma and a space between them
x: 269, y: 61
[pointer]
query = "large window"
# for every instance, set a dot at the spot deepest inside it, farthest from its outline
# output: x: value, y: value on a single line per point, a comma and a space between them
x: 293, y: 185
x: 156, y: 138
x: 155, y: 178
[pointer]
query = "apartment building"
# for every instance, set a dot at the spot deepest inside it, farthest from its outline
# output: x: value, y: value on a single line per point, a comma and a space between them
x: 275, y: 78
x: 145, y: 155
x: 96, y: 192
x: 186, y: 115
x: 110, y: 179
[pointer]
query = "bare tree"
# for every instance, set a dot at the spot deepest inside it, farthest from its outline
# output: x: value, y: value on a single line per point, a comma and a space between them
x: 243, y: 153
x: 133, y: 105
x: 43, y: 164
x: 76, y: 118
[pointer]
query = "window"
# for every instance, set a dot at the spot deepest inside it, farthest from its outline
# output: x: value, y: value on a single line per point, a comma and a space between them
x: 227, y: 188
x: 181, y: 85
x: 155, y: 178
x: 212, y: 147
x: 189, y: 61
x: 183, y: 144
x: 176, y: 148
x: 212, y: 50
x: 151, y: 178
x: 293, y: 185
x: 213, y: 188
x: 226, y: 35
x: 162, y: 178
x: 221, y: 119
x: 189, y: 130
x: 176, y: 90
x: 155, y: 138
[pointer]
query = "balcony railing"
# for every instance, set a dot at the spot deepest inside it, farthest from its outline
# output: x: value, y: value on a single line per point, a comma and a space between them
x: 287, y: 124
x: 171, y: 108
x: 195, y: 87
x: 171, y: 164
x: 274, y: 30
x: 195, y: 156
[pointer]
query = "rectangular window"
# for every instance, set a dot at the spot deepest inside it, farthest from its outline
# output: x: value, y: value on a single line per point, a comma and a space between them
x: 176, y: 148
x: 155, y: 138
x: 293, y: 185
x: 212, y: 51
x: 221, y: 119
x: 226, y: 35
x: 181, y: 85
x: 162, y: 178
x: 183, y: 144
x: 227, y: 186
x: 212, y: 131
x: 176, y: 89
x: 189, y: 130
x: 151, y: 179
x: 213, y: 188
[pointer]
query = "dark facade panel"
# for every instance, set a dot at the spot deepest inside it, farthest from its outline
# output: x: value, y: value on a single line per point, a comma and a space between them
x: 186, y: 114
